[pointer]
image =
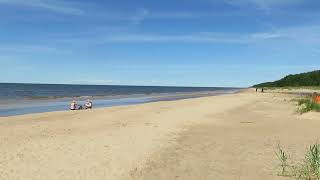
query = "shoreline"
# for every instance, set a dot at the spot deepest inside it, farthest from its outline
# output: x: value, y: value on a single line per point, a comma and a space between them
x: 216, y: 137
x: 59, y: 105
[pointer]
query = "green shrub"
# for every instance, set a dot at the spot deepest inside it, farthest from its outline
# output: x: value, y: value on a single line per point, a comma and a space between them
x: 307, y: 104
x: 297, y: 80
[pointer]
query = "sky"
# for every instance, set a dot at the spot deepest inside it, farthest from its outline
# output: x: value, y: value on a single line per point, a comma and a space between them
x: 230, y: 43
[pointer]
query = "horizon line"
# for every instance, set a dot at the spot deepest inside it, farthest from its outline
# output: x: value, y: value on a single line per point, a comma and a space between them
x: 75, y: 84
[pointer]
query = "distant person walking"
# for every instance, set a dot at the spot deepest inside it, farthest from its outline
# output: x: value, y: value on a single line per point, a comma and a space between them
x: 262, y: 90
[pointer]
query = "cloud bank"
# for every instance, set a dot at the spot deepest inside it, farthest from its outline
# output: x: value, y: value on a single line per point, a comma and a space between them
x: 56, y: 6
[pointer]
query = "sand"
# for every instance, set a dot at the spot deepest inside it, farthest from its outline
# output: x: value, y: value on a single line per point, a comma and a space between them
x: 222, y: 137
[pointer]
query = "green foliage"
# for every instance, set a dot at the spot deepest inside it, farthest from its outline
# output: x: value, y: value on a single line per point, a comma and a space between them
x: 303, y: 101
x: 303, y: 79
x: 306, y: 105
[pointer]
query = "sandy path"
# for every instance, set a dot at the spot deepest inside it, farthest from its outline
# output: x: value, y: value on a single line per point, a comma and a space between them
x: 221, y: 137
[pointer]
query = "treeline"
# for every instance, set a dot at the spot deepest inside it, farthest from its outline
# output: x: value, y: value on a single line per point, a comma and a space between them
x: 303, y: 79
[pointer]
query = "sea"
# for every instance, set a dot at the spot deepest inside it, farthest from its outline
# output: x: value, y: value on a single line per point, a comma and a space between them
x: 19, y: 99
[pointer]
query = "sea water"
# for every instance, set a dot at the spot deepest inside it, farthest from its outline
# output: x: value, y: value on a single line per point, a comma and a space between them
x: 18, y: 99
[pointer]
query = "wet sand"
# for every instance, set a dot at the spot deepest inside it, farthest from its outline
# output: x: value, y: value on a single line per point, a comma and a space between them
x: 223, y: 137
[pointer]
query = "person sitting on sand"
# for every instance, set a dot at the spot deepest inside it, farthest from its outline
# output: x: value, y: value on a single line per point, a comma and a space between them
x: 73, y: 105
x: 88, y: 105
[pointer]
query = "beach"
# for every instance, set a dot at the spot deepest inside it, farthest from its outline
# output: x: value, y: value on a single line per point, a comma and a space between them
x: 231, y: 136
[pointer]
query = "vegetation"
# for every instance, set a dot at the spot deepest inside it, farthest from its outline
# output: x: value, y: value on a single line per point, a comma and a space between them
x: 309, y: 169
x: 307, y: 104
x: 297, y: 80
x: 294, y: 88
x: 283, y: 158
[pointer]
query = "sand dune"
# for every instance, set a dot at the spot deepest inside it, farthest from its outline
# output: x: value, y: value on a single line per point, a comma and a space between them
x: 222, y: 137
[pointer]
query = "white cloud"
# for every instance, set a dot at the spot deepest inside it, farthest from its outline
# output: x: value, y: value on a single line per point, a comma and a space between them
x: 300, y: 34
x: 306, y: 34
x: 54, y: 6
x: 209, y: 37
x: 139, y: 17
x: 192, y: 15
x: 265, y: 4
x: 303, y: 35
x: 267, y: 35
x: 18, y: 48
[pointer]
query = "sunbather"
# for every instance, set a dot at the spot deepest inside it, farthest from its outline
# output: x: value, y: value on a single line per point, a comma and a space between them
x: 88, y: 105
x: 73, y: 105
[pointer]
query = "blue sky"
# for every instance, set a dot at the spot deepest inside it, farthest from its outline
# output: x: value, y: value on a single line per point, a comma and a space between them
x: 151, y: 42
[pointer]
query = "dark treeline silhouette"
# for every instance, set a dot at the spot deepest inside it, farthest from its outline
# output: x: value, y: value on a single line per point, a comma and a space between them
x: 303, y: 79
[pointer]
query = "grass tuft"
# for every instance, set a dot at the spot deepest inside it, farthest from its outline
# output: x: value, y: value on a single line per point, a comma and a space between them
x: 283, y: 158
x: 309, y: 169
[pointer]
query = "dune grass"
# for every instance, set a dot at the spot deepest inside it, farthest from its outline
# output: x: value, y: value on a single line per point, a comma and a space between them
x: 307, y: 104
x: 308, y: 169
x: 283, y: 158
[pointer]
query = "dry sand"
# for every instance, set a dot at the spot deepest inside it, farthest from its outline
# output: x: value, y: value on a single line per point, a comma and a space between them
x: 222, y: 137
